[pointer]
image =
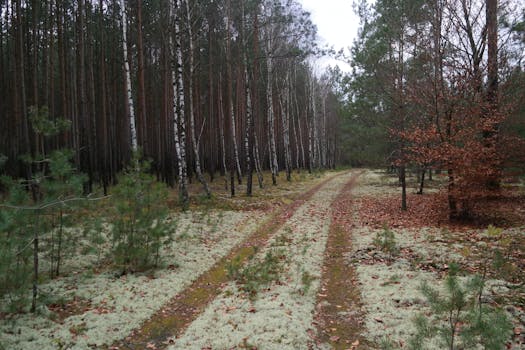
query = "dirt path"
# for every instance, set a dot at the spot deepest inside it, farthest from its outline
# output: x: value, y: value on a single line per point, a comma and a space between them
x: 171, y: 320
x: 281, y: 314
x: 339, y: 315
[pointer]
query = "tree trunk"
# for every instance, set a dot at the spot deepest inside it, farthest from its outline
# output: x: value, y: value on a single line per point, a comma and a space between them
x: 133, y: 130
x: 141, y: 110
x: 23, y: 117
x: 231, y: 110
x: 422, y: 180
x: 285, y: 108
x: 248, y: 137
x: 402, y: 180
x: 178, y: 107
x: 274, y: 167
x: 195, y: 142
x: 221, y: 128
x: 490, y: 134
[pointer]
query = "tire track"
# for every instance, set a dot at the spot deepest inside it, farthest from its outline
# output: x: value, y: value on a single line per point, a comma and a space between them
x: 172, y: 319
x: 339, y: 313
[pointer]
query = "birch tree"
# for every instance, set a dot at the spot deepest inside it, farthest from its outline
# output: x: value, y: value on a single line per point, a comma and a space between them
x: 274, y: 166
x: 195, y: 141
x: 231, y: 111
x: 133, y: 130
x: 248, y: 136
x: 178, y: 104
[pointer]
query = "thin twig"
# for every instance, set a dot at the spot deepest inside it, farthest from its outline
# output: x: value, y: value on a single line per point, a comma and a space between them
x: 50, y: 204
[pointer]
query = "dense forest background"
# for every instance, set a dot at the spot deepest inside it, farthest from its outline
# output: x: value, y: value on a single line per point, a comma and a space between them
x: 228, y: 87
x: 199, y: 87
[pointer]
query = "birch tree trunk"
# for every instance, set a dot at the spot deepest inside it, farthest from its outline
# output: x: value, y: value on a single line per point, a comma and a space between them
x: 309, y: 130
x: 324, y: 153
x: 286, y: 127
x: 314, y: 126
x: 294, y: 112
x: 249, y: 124
x: 178, y: 106
x: 274, y: 167
x: 299, y: 130
x: 133, y: 130
x: 257, y: 159
x: 256, y: 111
x: 233, y: 127
x: 195, y: 142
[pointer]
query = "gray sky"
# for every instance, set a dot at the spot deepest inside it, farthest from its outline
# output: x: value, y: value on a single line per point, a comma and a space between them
x: 336, y: 23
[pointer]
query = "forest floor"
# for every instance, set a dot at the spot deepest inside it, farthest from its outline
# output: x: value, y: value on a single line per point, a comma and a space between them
x: 297, y: 266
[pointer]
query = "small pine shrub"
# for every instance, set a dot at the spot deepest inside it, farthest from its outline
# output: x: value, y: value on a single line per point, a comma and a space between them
x: 386, y: 241
x: 257, y: 274
x: 34, y: 224
x: 459, y: 319
x: 139, y: 228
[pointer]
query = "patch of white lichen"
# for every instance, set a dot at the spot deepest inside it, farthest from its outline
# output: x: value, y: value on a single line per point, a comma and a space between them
x: 118, y: 305
x: 281, y: 316
x: 390, y: 284
x: 379, y: 183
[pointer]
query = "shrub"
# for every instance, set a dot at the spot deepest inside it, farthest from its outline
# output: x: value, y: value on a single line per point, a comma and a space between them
x: 257, y: 274
x: 37, y: 212
x: 386, y: 241
x: 459, y: 319
x: 139, y: 228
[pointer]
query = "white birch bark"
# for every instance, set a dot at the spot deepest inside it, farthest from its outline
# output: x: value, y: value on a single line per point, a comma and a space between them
x: 232, y: 109
x: 294, y: 112
x: 234, y: 140
x: 314, y: 126
x: 178, y: 105
x: 323, y: 134
x: 133, y: 129
x: 195, y: 142
x: 257, y: 159
x: 274, y: 167
x: 309, y: 130
x: 300, y: 131
x: 247, y: 95
x: 286, y: 127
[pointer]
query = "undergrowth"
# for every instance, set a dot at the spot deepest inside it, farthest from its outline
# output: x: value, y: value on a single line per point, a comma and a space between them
x: 256, y: 274
x: 386, y: 241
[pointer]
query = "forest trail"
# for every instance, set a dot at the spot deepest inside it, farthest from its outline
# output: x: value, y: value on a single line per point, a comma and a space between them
x: 303, y: 219
x: 338, y: 314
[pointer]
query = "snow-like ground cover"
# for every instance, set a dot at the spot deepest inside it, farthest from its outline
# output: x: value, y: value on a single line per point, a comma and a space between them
x: 375, y: 183
x: 280, y: 317
x: 119, y: 305
x: 379, y: 183
x: 391, y: 283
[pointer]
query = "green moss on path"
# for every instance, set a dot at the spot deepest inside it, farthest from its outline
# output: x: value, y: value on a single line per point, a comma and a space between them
x: 339, y: 315
x: 175, y: 316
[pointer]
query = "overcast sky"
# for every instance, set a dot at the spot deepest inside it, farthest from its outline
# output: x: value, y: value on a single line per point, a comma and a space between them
x: 336, y: 23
